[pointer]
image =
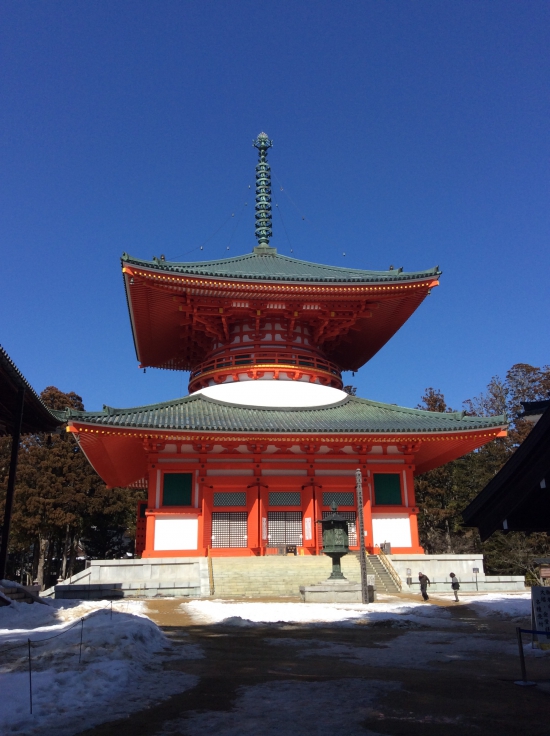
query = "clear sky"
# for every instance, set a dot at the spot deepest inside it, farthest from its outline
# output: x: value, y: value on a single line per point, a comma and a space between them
x: 405, y: 133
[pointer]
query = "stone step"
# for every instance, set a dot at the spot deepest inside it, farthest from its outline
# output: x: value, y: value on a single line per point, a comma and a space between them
x: 275, y: 575
x: 16, y: 594
x: 283, y: 575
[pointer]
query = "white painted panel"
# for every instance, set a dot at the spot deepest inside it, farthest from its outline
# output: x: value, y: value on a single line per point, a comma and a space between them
x: 176, y: 534
x: 276, y: 471
x: 343, y: 471
x: 394, y: 528
x: 230, y: 471
x: 157, y: 492
x: 405, y: 489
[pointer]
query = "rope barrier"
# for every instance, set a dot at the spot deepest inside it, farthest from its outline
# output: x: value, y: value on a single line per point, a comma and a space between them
x: 37, y: 642
x: 524, y: 682
x: 29, y: 644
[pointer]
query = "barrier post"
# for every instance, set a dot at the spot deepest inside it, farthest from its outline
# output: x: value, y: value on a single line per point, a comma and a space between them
x: 524, y: 681
x: 81, y: 633
x: 30, y: 675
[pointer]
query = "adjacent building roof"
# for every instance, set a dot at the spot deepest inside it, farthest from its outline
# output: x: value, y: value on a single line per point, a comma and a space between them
x: 518, y: 497
x: 36, y: 416
x: 533, y: 410
x: 265, y: 264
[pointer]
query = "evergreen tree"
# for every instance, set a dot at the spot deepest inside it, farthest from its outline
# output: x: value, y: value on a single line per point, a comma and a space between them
x: 443, y: 493
x: 61, y: 505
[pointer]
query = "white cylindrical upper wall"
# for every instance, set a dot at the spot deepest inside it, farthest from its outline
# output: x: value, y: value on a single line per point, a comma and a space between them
x: 274, y: 393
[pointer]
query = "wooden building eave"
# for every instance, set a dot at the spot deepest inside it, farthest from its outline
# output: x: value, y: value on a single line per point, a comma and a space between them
x: 517, y: 498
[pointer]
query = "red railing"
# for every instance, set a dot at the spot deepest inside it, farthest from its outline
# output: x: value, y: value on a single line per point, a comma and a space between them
x: 256, y: 359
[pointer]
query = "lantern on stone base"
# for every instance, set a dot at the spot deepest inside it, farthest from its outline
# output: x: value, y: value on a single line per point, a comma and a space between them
x: 335, y: 540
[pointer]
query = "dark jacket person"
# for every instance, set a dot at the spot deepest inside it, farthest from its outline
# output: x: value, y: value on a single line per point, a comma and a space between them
x: 424, y: 582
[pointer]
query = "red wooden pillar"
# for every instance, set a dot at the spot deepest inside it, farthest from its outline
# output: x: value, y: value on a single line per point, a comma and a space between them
x: 154, y: 501
x: 368, y: 491
x: 317, y: 515
x: 207, y: 494
x: 308, y: 517
x: 263, y: 517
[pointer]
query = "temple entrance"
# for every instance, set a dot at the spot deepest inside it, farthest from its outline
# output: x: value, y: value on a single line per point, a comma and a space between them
x: 229, y: 529
x: 284, y: 529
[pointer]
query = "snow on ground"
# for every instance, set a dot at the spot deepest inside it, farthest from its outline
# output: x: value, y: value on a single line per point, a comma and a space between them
x: 289, y: 708
x: 232, y: 613
x: 504, y: 605
x: 414, y: 649
x: 26, y: 616
x: 121, y: 668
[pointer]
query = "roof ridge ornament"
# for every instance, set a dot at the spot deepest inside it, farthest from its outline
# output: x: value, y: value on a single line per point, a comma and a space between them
x: 263, y: 194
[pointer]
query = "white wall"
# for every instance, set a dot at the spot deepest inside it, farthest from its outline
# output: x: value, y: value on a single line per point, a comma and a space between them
x: 392, y: 528
x: 176, y: 534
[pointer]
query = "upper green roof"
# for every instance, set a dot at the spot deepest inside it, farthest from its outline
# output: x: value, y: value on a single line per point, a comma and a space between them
x: 266, y: 264
x: 198, y: 413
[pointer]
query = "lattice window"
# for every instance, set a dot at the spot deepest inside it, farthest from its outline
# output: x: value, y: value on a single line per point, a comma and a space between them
x: 229, y: 529
x: 237, y: 498
x: 287, y: 498
x: 284, y: 528
x: 351, y: 518
x: 342, y: 498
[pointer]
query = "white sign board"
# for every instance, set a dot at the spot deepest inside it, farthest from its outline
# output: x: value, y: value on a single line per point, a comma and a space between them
x: 540, y: 601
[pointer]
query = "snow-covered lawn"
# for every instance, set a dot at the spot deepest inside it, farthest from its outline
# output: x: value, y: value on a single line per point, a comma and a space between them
x: 247, y: 614
x: 120, y: 670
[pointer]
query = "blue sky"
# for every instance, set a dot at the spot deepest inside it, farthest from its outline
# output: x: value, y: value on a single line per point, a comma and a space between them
x: 411, y: 134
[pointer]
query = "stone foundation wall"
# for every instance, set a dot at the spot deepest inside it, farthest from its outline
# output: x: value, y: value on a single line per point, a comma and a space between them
x: 438, y: 567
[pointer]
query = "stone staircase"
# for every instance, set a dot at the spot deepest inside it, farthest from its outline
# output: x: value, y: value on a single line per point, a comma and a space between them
x: 19, y: 593
x: 274, y: 576
x: 384, y: 581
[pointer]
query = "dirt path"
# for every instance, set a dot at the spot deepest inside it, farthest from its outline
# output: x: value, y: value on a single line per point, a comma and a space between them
x: 456, y: 696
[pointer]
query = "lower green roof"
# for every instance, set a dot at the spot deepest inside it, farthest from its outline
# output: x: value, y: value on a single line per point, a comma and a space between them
x: 198, y: 413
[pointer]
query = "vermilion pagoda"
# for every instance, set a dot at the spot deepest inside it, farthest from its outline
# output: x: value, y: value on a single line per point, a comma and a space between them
x: 267, y: 439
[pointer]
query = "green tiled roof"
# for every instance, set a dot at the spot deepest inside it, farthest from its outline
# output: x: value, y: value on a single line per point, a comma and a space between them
x: 200, y: 413
x: 264, y: 263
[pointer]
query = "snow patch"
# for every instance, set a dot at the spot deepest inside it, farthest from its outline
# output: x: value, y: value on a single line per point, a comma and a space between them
x: 502, y: 605
x: 121, y: 669
x: 249, y: 614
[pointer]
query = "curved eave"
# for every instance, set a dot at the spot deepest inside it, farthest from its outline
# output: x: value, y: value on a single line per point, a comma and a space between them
x: 119, y: 456
x: 291, y: 270
x: 156, y: 320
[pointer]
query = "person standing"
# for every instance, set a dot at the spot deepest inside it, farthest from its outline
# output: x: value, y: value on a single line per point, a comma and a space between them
x: 424, y: 581
x: 455, y: 585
